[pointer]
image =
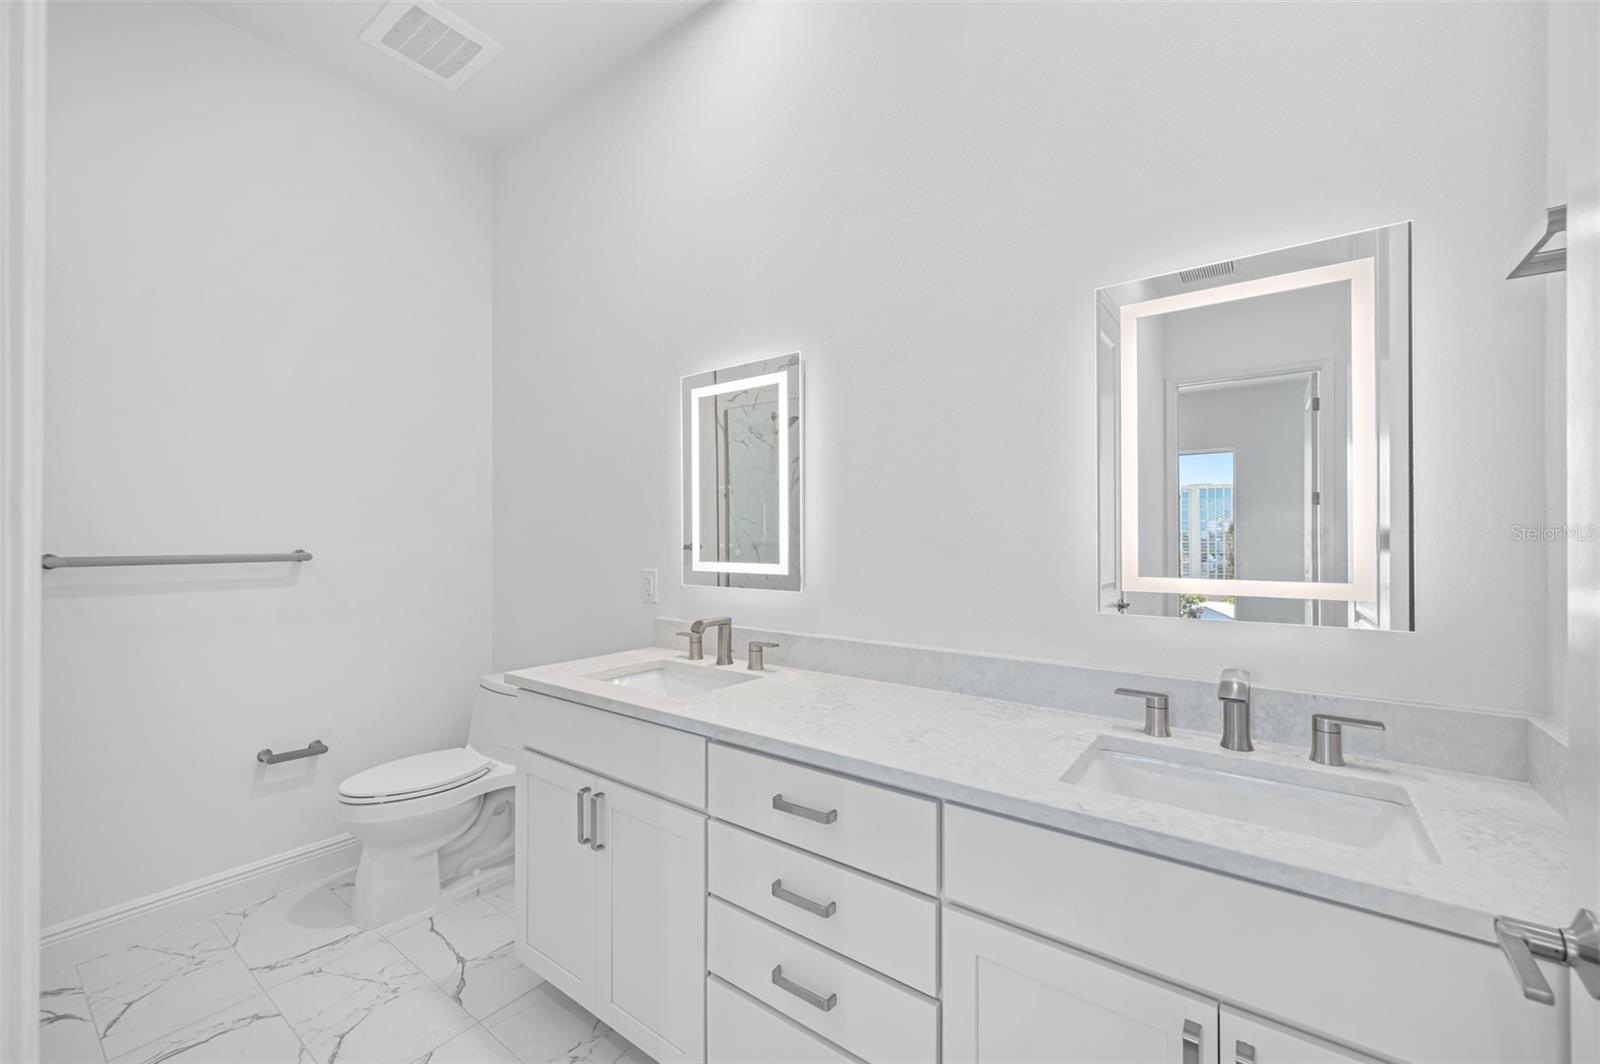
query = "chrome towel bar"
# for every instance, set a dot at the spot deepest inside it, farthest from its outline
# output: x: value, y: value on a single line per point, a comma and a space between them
x: 51, y: 561
x: 267, y: 757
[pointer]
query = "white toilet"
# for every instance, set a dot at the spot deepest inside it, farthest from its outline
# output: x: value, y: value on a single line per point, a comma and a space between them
x: 430, y: 821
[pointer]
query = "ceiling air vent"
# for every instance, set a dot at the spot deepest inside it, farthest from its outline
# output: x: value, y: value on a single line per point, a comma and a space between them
x: 426, y: 37
x: 1205, y: 273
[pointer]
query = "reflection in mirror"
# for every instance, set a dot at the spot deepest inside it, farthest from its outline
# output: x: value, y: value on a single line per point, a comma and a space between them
x: 741, y: 476
x: 1255, y: 438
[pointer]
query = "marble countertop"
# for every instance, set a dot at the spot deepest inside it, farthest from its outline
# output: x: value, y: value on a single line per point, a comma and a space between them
x: 1502, y: 848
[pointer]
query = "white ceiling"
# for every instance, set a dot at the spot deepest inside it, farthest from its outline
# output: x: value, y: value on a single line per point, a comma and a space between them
x: 553, y: 49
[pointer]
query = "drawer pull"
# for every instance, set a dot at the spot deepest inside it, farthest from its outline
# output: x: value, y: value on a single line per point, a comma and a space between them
x: 583, y: 836
x: 799, y: 901
x: 1243, y: 1052
x: 805, y: 812
x: 826, y: 1004
x: 1191, y: 1042
x: 594, y: 821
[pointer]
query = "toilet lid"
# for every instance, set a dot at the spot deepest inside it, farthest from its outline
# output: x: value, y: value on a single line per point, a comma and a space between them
x: 430, y: 773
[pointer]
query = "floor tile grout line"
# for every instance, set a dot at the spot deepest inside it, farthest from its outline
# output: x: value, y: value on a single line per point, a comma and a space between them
x: 266, y: 992
x: 220, y: 1009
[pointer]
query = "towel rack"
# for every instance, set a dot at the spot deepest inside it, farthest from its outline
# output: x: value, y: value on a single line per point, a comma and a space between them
x: 51, y: 561
x: 1539, y: 260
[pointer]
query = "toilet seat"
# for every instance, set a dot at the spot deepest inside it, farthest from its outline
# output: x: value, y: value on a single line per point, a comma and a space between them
x: 419, y: 776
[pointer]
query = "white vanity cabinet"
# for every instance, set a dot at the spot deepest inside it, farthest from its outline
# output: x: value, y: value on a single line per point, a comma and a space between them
x: 1394, y: 989
x: 1013, y: 998
x: 812, y: 916
x: 611, y: 886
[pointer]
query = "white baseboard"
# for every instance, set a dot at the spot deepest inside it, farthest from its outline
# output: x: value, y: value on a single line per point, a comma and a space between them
x: 75, y: 941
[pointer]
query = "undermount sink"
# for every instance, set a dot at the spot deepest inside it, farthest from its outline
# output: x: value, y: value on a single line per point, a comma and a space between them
x: 671, y: 680
x: 1373, y: 816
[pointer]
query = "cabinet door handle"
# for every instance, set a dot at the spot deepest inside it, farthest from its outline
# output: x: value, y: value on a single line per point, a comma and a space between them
x: 804, y: 811
x: 583, y: 836
x: 782, y: 982
x: 1191, y: 1042
x: 1243, y: 1052
x: 815, y: 908
x: 594, y: 821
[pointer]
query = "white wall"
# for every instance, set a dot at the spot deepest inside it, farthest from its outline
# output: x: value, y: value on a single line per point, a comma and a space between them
x: 923, y: 199
x: 268, y: 327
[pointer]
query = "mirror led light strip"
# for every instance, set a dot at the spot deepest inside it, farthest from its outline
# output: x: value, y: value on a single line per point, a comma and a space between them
x: 1363, y: 587
x: 781, y: 567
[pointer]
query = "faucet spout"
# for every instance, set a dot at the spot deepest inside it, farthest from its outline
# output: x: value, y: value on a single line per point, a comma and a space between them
x: 724, y: 627
x: 1233, y: 689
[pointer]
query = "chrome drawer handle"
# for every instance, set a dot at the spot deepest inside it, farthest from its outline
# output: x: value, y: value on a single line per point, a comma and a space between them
x: 583, y: 836
x: 594, y: 820
x: 1191, y: 1042
x: 826, y: 1004
x: 815, y: 908
x: 1243, y: 1052
x: 806, y: 812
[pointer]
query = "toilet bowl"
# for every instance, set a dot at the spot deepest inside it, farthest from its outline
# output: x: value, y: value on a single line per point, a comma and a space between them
x: 430, y: 820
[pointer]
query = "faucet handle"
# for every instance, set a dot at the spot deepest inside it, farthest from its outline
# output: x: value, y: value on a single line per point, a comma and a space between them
x: 1330, y: 723
x: 757, y: 650
x: 697, y: 646
x: 1155, y: 710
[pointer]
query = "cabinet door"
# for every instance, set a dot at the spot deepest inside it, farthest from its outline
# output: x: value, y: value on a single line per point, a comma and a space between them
x: 651, y: 930
x: 556, y: 876
x: 1011, y: 997
x: 1248, y: 1039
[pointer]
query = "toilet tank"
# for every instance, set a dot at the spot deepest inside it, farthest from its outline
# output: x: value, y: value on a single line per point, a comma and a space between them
x: 492, y: 731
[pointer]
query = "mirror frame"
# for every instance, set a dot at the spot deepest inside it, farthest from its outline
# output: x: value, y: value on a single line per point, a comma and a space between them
x: 786, y: 574
x: 1363, y: 464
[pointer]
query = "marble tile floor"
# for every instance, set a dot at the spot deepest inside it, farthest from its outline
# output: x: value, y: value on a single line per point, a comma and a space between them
x: 289, y: 979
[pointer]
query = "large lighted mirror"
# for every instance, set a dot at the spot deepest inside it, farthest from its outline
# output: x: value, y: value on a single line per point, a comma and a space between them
x: 741, y: 476
x: 1254, y: 438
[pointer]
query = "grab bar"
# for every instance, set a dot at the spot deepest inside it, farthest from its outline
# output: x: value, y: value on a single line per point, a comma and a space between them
x: 267, y: 757
x: 51, y: 561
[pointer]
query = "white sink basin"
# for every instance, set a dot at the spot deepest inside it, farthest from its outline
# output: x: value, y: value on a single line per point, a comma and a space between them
x: 1369, y: 815
x: 671, y: 680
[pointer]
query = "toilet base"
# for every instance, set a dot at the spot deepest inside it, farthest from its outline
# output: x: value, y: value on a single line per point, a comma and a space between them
x: 402, y: 856
x: 392, y: 885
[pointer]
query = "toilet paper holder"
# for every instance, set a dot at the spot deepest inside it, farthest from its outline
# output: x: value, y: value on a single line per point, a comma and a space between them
x: 267, y: 757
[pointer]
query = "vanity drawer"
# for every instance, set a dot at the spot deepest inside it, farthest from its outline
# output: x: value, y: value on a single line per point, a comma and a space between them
x: 884, y: 832
x: 742, y: 1031
x: 885, y: 927
x: 666, y: 761
x: 869, y: 1015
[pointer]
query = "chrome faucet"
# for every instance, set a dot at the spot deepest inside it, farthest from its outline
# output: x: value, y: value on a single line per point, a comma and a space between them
x: 1327, y: 736
x: 1234, y: 691
x: 724, y: 627
x: 1155, y: 710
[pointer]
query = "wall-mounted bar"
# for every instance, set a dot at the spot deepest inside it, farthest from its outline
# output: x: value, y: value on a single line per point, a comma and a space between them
x: 1539, y: 260
x: 267, y: 757
x: 52, y: 561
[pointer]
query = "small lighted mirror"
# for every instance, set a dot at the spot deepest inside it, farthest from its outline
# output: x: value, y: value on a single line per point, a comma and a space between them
x: 741, y: 476
x: 1255, y: 422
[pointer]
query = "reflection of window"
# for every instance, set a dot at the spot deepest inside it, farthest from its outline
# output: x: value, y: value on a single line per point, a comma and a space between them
x: 1205, y: 515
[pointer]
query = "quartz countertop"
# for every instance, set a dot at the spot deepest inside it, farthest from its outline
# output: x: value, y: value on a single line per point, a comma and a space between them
x: 1501, y: 847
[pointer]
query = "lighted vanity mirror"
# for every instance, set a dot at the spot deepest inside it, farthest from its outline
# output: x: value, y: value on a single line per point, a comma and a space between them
x: 742, y: 496
x: 1254, y: 437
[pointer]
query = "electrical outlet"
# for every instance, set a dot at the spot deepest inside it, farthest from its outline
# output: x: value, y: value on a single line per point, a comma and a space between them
x: 649, y: 585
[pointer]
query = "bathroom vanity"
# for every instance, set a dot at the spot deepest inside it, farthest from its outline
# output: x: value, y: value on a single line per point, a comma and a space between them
x: 735, y: 866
